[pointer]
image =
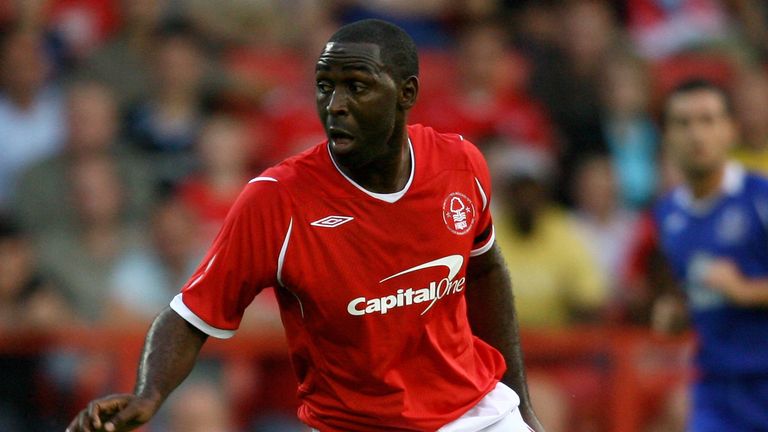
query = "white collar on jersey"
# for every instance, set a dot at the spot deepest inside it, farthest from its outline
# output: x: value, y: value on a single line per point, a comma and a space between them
x: 732, y: 184
x: 386, y: 197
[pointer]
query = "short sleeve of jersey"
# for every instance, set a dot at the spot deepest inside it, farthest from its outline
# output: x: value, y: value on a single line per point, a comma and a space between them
x: 243, y: 259
x: 484, y: 233
x: 760, y: 198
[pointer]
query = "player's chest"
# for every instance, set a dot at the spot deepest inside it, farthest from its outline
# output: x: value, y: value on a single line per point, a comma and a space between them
x: 342, y: 249
x: 732, y: 229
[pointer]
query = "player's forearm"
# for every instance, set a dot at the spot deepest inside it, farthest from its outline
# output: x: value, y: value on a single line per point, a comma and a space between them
x: 491, y: 312
x: 169, y: 354
x: 754, y: 292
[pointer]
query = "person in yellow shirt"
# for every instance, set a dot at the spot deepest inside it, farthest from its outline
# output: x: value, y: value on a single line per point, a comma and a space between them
x: 558, y: 282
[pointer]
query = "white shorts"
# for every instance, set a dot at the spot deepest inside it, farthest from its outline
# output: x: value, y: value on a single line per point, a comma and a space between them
x: 496, y: 412
x: 513, y: 422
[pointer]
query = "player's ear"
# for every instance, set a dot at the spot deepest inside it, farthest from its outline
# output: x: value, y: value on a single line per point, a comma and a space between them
x: 409, y: 91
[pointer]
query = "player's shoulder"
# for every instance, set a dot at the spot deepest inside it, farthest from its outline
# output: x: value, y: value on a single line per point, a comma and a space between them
x: 277, y: 179
x: 668, y: 202
x: 297, y: 167
x: 755, y: 182
x: 448, y: 149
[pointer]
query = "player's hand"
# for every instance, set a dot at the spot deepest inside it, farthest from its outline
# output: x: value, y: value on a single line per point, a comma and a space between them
x: 724, y: 276
x: 114, y: 413
x: 668, y: 315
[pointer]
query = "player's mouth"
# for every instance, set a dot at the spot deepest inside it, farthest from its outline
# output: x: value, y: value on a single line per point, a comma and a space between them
x: 340, y: 137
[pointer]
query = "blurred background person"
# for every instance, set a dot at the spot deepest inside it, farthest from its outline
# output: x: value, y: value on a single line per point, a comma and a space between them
x: 480, y: 90
x: 92, y: 125
x: 422, y: 20
x: 145, y: 278
x: 124, y: 62
x: 222, y: 151
x: 659, y: 28
x: 558, y: 283
x: 629, y: 130
x: 82, y: 256
x: 29, y: 300
x: 31, y: 111
x: 568, y: 81
x: 713, y: 232
x: 608, y: 227
x: 165, y: 124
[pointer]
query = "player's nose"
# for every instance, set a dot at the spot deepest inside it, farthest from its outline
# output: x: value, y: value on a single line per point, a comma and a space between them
x: 337, y: 103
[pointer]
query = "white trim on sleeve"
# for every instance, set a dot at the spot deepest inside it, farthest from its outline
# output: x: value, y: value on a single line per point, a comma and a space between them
x: 485, y: 247
x: 257, y: 179
x: 281, y: 262
x: 281, y: 257
x: 482, y: 193
x: 177, y: 304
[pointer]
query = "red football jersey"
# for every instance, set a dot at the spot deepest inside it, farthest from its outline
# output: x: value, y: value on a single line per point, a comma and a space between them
x: 371, y: 286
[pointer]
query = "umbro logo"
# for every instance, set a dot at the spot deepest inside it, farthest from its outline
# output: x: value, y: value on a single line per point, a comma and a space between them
x: 331, y: 221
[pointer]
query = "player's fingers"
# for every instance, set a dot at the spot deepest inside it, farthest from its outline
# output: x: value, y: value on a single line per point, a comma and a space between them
x: 123, y: 418
x: 93, y: 415
x: 74, y: 425
x: 83, y: 422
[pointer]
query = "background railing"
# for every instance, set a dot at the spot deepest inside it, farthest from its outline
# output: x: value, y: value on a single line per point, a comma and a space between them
x: 616, y: 377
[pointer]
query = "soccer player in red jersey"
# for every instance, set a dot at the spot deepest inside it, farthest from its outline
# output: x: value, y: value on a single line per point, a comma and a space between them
x: 396, y: 304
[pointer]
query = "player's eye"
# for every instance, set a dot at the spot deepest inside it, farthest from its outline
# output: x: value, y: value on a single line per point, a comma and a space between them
x: 324, y: 87
x: 357, y: 87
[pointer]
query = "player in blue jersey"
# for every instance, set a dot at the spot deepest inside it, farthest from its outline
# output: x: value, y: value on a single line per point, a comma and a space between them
x: 713, y: 230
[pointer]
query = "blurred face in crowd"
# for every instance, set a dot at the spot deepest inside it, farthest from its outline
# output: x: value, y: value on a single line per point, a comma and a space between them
x: 91, y: 118
x: 699, y: 131
x: 96, y: 190
x: 625, y: 89
x: 24, y: 64
x: 16, y: 263
x: 179, y: 65
x: 596, y: 189
x: 485, y: 60
x: 174, y: 232
x: 588, y: 29
x: 527, y: 197
x: 223, y: 146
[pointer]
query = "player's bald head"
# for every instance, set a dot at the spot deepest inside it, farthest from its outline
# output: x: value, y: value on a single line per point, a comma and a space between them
x: 398, y: 51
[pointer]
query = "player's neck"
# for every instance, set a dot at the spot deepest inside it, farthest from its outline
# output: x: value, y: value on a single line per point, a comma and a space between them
x: 706, y: 185
x: 387, y: 174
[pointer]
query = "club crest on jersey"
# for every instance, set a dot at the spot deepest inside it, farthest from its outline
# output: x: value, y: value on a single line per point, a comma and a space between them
x: 458, y: 213
x: 732, y: 226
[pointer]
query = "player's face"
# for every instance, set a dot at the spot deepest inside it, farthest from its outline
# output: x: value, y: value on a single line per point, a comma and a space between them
x: 357, y: 101
x: 699, y: 131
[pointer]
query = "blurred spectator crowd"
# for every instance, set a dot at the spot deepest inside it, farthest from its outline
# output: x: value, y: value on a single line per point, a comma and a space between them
x: 127, y: 128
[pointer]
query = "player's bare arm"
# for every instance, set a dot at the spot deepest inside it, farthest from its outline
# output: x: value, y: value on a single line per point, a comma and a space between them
x: 490, y: 307
x: 724, y: 275
x: 169, y: 355
x: 668, y: 314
